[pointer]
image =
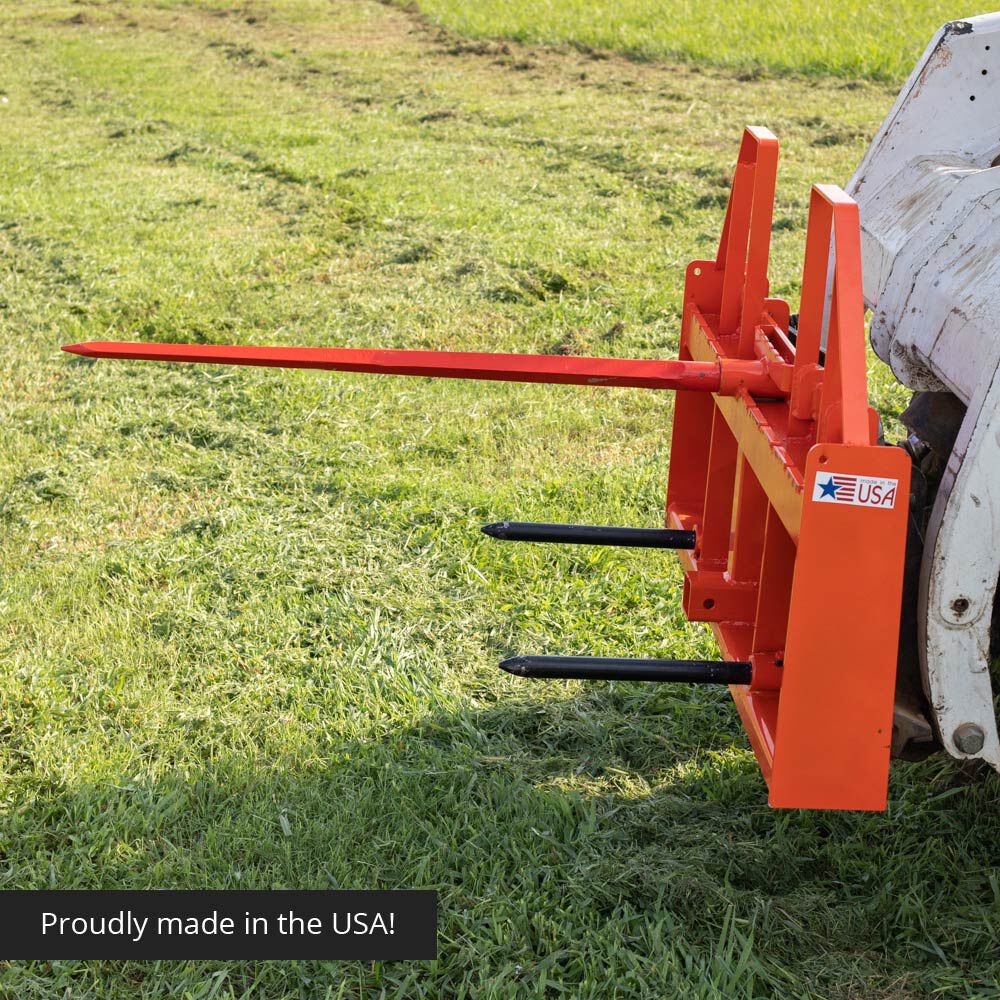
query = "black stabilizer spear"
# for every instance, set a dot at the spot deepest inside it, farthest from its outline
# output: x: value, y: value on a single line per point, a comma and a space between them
x: 589, y: 534
x: 613, y: 668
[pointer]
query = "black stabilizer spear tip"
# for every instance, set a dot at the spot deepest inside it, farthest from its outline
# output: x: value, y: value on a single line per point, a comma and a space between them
x: 591, y: 534
x: 515, y: 665
x: 613, y: 668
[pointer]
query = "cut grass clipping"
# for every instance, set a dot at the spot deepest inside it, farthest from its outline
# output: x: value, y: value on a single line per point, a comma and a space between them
x: 850, y: 38
x: 250, y: 625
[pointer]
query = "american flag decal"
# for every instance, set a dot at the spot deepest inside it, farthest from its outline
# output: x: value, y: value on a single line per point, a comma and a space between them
x: 858, y: 491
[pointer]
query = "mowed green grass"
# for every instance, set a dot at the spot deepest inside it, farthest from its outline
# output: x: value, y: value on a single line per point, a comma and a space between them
x: 850, y: 38
x: 250, y: 625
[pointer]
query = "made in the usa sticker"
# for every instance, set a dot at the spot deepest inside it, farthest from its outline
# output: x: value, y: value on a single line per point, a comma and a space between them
x: 858, y: 491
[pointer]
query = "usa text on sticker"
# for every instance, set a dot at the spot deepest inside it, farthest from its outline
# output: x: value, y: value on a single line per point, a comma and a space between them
x: 859, y: 491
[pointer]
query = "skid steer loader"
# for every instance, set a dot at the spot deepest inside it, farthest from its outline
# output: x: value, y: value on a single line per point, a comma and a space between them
x: 849, y: 582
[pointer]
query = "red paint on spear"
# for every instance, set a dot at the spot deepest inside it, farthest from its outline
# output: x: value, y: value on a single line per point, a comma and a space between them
x: 705, y: 376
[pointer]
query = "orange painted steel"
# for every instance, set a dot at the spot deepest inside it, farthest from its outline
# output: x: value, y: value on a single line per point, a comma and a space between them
x: 726, y: 376
x: 799, y: 514
x: 798, y: 569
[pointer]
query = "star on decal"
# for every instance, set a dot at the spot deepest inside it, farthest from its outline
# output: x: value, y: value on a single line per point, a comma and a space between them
x: 828, y: 488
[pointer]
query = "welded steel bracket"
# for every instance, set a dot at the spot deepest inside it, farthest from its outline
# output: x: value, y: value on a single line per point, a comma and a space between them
x: 800, y: 516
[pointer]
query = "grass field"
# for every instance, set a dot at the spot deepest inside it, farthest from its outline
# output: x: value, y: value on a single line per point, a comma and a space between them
x: 250, y: 626
x: 850, y: 38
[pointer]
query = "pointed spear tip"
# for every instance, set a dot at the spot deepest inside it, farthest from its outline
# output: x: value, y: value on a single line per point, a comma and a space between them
x: 85, y: 350
x: 515, y: 665
x: 496, y: 530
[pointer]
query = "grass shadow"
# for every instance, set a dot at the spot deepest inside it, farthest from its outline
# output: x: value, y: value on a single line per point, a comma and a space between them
x: 572, y: 846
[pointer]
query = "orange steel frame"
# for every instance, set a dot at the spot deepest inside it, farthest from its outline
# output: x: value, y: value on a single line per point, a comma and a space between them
x: 808, y: 592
